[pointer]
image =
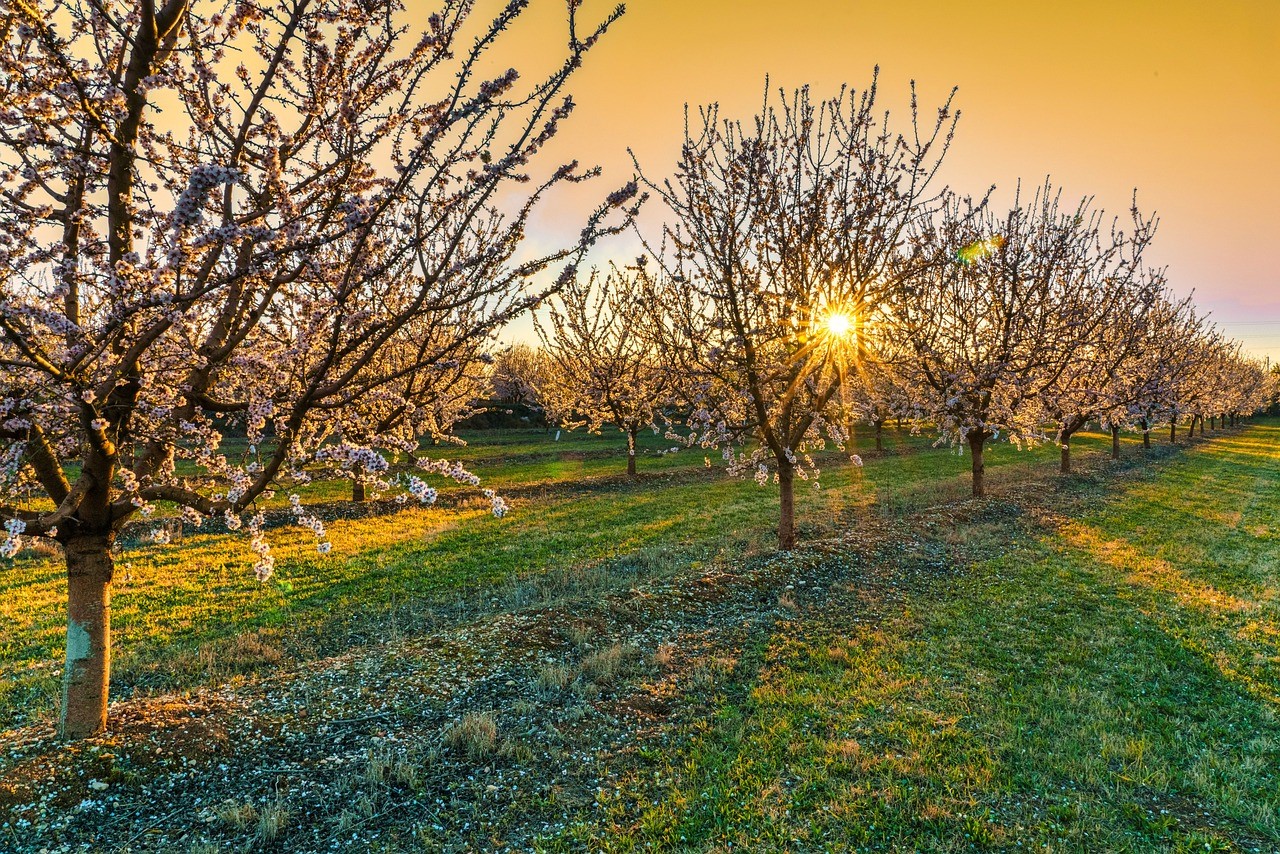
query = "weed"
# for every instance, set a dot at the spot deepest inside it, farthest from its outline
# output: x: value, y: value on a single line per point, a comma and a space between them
x: 606, y: 666
x: 272, y: 820
x: 553, y: 678
x: 475, y: 734
x: 238, y: 816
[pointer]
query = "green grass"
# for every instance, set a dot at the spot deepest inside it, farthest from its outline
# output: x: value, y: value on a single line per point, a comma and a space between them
x: 1107, y: 682
x: 1100, y: 673
x: 192, y: 611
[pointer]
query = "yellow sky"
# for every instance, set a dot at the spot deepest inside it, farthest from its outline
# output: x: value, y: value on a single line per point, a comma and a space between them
x: 1179, y: 99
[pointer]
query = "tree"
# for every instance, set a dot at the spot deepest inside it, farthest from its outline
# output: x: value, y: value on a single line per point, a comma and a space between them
x: 1152, y: 376
x: 874, y: 391
x: 999, y: 314
x: 1093, y: 382
x: 1190, y: 379
x: 517, y: 373
x: 430, y: 376
x: 601, y: 366
x: 319, y: 180
x: 1241, y: 385
x: 782, y: 241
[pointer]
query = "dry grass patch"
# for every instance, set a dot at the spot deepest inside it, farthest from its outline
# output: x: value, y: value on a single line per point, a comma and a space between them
x: 608, y: 665
x: 475, y: 735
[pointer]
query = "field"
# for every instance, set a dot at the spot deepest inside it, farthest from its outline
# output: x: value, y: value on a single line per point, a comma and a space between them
x: 1089, y: 662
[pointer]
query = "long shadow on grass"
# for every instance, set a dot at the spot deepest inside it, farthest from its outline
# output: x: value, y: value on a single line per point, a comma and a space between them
x: 1032, y: 699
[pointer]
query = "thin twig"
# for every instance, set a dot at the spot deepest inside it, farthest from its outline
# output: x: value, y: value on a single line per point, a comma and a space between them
x: 365, y: 719
x: 146, y: 827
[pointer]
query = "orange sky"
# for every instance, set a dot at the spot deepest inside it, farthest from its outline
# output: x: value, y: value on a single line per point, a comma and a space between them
x: 1179, y: 99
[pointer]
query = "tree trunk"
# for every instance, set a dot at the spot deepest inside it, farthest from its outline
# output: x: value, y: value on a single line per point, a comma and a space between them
x: 1115, y: 443
x: 358, y: 491
x: 1173, y: 432
x: 786, y: 507
x: 88, y: 671
x: 1146, y: 434
x: 1065, y: 446
x: 631, y: 453
x: 879, y: 435
x: 976, y: 441
x: 1213, y: 422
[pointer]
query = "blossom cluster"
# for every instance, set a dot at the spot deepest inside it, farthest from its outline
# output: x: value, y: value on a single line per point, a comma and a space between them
x: 309, y: 521
x: 13, y: 537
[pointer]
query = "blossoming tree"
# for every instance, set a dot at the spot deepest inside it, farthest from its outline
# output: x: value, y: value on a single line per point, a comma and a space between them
x: 782, y: 240
x: 208, y: 214
x: 425, y: 380
x: 1148, y: 382
x: 601, y: 363
x: 1001, y: 313
x: 875, y: 391
x: 517, y: 375
x: 1093, y: 382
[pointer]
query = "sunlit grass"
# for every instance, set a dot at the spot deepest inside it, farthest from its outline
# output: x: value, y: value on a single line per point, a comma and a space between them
x: 1102, y: 683
x: 176, y: 606
x: 192, y: 611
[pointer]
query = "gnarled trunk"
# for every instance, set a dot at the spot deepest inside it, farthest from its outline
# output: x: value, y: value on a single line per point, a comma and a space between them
x: 1146, y: 434
x: 1064, y: 445
x: 786, y: 507
x: 1173, y: 432
x: 1115, y: 443
x: 880, y: 435
x: 976, y: 441
x: 631, y: 453
x: 1213, y: 422
x: 87, y: 675
x: 358, y: 491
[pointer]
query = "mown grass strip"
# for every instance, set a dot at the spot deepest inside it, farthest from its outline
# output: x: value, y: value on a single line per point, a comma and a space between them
x: 1107, y: 683
x: 191, y: 611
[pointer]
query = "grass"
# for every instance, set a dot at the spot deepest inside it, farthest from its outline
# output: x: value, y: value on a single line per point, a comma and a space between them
x: 1081, y: 663
x: 192, y: 612
x: 476, y: 735
x: 1104, y: 682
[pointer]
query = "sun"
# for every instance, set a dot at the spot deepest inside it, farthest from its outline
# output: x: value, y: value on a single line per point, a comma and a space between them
x: 838, y: 324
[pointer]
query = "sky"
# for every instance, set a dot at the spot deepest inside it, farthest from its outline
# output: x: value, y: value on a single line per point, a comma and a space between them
x: 1179, y: 100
